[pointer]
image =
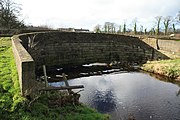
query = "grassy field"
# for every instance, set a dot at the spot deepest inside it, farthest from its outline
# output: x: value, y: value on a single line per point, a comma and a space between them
x: 169, y: 68
x: 15, y: 107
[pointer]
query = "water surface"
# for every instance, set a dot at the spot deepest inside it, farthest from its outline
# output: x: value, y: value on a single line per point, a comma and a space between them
x: 133, y: 93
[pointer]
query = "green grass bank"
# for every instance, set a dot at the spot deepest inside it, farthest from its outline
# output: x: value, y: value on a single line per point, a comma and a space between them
x: 15, y: 107
x: 169, y: 68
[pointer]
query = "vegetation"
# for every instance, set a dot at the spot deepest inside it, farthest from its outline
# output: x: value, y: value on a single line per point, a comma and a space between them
x: 158, y: 18
x: 9, y: 12
x: 14, y: 106
x: 169, y: 68
x: 9, y: 86
x: 166, y: 22
x: 162, y: 26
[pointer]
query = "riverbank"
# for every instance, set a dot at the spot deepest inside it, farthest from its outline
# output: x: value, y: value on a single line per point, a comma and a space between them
x: 169, y: 68
x: 14, y: 106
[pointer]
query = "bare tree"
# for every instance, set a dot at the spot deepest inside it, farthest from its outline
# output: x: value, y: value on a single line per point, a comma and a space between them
x: 119, y: 29
x: 158, y: 19
x: 135, y: 26
x: 175, y: 21
x: 174, y: 29
x: 178, y: 16
x: 141, y: 29
x: 152, y: 31
x: 166, y: 22
x: 113, y: 28
x: 145, y: 31
x: 124, y: 27
x: 97, y: 28
x: 9, y: 12
x: 107, y: 27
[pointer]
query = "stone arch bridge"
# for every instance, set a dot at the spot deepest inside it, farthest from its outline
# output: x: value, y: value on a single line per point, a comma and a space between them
x: 32, y: 50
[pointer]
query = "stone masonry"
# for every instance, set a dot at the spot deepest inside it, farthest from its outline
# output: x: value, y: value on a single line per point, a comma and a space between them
x: 33, y: 50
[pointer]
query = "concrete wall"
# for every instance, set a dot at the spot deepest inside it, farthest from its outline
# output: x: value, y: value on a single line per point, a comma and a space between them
x: 65, y: 48
x: 25, y: 66
x: 169, y: 45
x: 172, y: 46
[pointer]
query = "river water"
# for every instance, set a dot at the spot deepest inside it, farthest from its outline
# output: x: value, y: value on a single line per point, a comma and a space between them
x: 130, y: 94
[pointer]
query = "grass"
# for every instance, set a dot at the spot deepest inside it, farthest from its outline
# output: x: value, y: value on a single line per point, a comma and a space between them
x: 178, y: 40
x: 10, y: 97
x: 169, y: 68
x: 41, y: 110
x: 14, y: 106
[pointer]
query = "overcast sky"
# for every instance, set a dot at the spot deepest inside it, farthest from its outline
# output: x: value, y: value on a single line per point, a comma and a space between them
x: 89, y: 13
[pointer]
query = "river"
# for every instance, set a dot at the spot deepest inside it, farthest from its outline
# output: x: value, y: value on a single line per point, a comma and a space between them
x: 124, y: 94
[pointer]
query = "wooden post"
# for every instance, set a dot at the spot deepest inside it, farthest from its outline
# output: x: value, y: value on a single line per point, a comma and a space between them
x: 45, y: 76
x: 66, y: 82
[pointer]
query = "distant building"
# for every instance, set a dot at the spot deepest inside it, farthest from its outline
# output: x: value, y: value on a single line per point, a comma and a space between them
x: 81, y: 30
x: 72, y: 30
x: 66, y: 29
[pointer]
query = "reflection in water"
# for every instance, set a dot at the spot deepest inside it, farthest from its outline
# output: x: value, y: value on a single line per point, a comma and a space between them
x: 139, y: 94
x: 178, y: 93
x: 104, y: 101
